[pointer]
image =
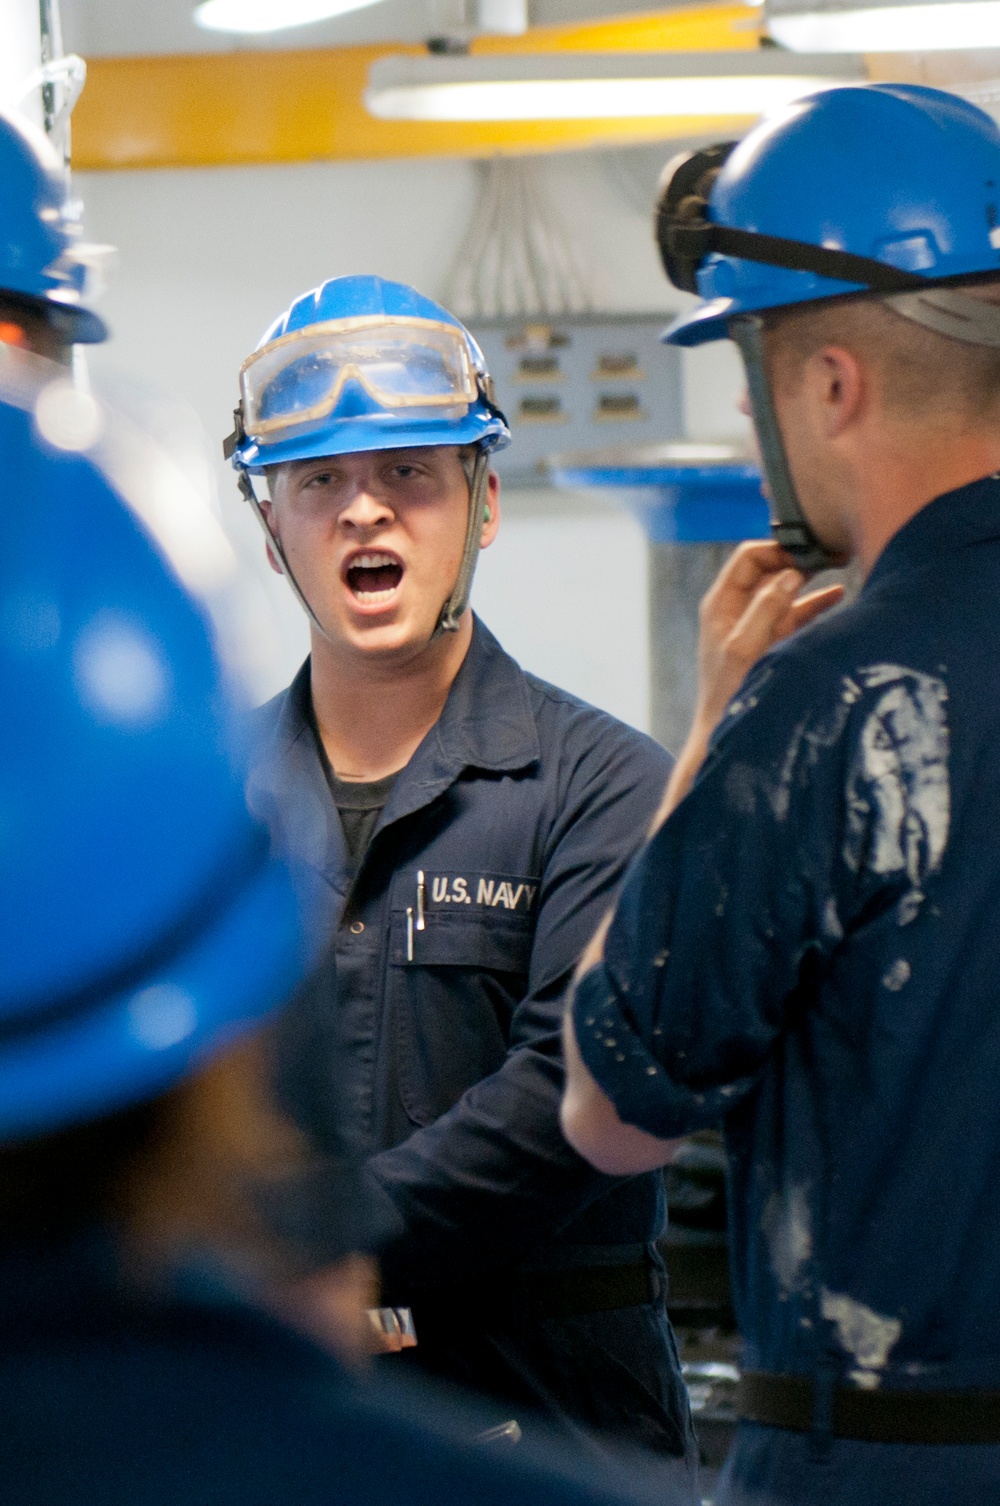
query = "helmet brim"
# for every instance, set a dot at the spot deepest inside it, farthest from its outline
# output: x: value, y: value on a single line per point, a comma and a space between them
x: 131, y: 1047
x: 379, y: 434
x: 78, y: 325
x: 700, y: 325
x: 88, y: 328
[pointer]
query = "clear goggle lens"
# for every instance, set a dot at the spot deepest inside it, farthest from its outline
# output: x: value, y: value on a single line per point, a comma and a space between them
x: 400, y: 363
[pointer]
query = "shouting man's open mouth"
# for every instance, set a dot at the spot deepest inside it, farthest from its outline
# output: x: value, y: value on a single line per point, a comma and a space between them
x: 373, y: 576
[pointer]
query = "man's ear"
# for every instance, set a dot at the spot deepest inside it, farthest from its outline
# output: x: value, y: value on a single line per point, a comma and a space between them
x: 267, y: 508
x: 837, y: 385
x: 492, y: 523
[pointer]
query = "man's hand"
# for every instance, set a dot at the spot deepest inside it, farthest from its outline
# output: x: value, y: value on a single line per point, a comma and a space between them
x: 332, y: 1308
x: 591, y: 1124
x: 753, y: 605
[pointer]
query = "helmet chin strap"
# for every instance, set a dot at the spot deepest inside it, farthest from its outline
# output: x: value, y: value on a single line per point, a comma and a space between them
x: 947, y: 311
x: 450, y: 616
x: 789, y: 525
x: 246, y: 487
x: 478, y: 474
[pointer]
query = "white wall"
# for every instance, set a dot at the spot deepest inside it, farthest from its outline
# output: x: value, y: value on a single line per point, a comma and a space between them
x: 207, y: 260
x: 20, y: 56
x: 564, y: 587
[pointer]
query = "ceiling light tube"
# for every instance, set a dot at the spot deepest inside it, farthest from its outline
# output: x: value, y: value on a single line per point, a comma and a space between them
x: 928, y: 26
x: 597, y: 86
x: 252, y: 16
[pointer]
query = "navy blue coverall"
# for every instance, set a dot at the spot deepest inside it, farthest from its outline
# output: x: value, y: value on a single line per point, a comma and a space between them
x: 114, y: 1395
x: 810, y: 949
x: 532, y: 1279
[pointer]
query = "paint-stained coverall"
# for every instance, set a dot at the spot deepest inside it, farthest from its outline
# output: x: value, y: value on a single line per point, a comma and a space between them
x: 533, y: 1279
x: 810, y: 949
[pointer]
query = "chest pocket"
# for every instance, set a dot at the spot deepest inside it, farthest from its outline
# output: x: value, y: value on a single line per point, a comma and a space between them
x: 455, y: 981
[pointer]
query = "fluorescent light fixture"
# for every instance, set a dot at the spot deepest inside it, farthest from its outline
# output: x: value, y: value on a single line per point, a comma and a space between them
x: 675, y: 452
x: 502, y: 17
x: 928, y: 26
x: 597, y: 86
x: 698, y: 452
x: 271, y: 15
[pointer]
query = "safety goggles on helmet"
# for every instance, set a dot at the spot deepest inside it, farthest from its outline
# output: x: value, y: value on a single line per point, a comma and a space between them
x: 400, y: 363
x: 687, y: 237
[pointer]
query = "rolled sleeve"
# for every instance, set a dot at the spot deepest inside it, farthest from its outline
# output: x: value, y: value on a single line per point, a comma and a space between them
x: 627, y: 1071
x: 721, y: 910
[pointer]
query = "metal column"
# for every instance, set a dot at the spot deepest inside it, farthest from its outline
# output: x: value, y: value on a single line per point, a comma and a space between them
x: 679, y: 576
x: 696, y: 502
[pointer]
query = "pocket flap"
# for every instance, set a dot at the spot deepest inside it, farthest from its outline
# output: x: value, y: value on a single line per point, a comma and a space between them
x: 500, y: 943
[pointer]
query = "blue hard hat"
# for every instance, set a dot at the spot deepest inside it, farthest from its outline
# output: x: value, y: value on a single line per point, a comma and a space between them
x: 42, y: 259
x: 143, y: 920
x: 895, y: 175
x: 359, y: 418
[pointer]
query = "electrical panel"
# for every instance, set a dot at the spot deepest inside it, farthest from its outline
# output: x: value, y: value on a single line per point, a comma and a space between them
x: 580, y: 382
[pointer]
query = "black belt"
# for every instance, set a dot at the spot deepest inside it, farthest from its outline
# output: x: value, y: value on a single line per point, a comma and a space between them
x: 882, y: 1416
x: 549, y: 1293
x: 588, y: 1289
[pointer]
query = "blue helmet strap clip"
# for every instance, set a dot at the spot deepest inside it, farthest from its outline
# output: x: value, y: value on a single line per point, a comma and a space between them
x: 789, y: 526
x: 478, y: 474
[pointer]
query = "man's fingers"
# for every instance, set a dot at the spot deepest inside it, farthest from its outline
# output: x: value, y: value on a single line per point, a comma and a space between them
x: 742, y: 574
x: 736, y: 632
x: 806, y: 608
x: 762, y: 623
x: 754, y: 559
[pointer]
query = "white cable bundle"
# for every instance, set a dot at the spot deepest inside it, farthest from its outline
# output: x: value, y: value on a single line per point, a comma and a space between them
x: 516, y: 257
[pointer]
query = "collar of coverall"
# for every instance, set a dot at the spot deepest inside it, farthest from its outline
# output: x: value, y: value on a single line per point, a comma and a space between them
x: 958, y: 519
x: 487, y: 720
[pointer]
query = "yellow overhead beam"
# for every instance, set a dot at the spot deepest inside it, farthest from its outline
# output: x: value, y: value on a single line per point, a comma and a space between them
x: 715, y: 28
x: 235, y: 108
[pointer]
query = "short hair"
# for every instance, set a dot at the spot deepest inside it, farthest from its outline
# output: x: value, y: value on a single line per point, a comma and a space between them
x: 923, y: 372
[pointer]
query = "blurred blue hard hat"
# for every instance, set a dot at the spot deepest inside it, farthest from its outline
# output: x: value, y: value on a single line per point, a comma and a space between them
x: 42, y: 259
x: 143, y: 922
x: 363, y: 364
x: 889, y: 186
